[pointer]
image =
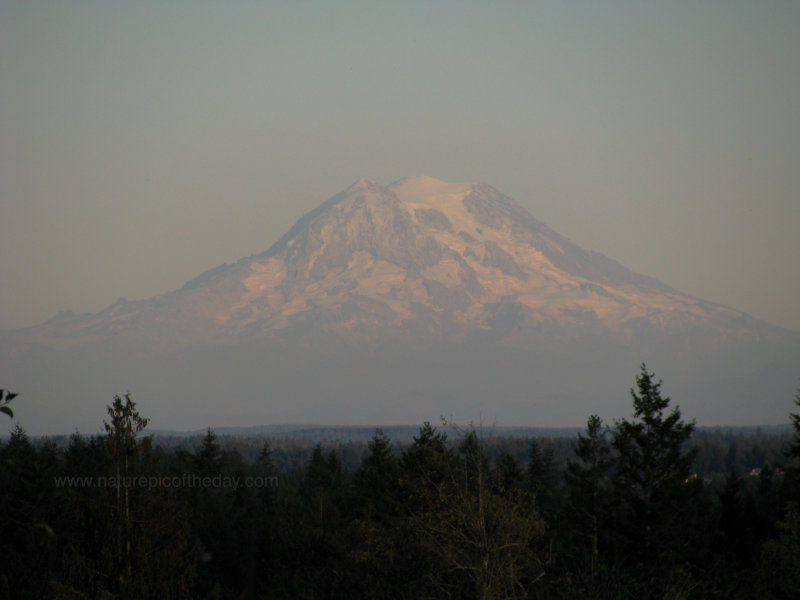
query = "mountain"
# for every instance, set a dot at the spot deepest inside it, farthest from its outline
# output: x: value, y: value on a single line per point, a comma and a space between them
x: 399, y: 303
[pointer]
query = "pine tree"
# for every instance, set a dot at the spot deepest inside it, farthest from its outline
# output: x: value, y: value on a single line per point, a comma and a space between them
x: 589, y: 507
x: 376, y: 479
x: 29, y: 517
x: 542, y: 476
x: 125, y: 452
x: 653, y: 470
x: 136, y: 541
x: 216, y: 520
x: 507, y: 474
x: 423, y: 467
x: 312, y: 533
x: 779, y: 572
x: 426, y: 461
x: 651, y: 449
x: 374, y: 535
x: 208, y: 459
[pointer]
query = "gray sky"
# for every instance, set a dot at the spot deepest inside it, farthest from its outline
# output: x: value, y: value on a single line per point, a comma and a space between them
x: 142, y: 143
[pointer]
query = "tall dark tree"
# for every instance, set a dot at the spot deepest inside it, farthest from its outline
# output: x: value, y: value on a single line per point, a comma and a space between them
x: 589, y: 508
x: 427, y: 460
x: 314, y: 555
x: 28, y: 517
x: 375, y: 480
x: 125, y: 450
x: 266, y: 469
x: 136, y: 541
x: 214, y: 521
x: 653, y: 472
x: 374, y: 535
x: 323, y: 489
x: 423, y: 467
x: 507, y: 474
x: 779, y: 573
x: 732, y: 525
x: 542, y: 475
x: 208, y: 459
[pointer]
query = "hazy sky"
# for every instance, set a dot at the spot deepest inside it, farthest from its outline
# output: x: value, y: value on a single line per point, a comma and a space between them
x: 142, y: 143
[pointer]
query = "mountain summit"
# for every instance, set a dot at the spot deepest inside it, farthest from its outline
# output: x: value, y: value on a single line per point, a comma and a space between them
x: 418, y: 293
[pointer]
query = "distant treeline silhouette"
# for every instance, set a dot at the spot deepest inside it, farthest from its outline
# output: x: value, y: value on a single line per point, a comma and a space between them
x: 644, y: 507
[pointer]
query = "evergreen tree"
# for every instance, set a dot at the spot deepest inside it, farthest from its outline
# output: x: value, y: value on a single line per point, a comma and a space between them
x: 208, y: 459
x: 427, y: 460
x: 265, y: 468
x: 779, y: 573
x: 542, y: 476
x: 507, y: 476
x: 373, y: 540
x: 125, y: 451
x: 376, y: 479
x: 422, y: 467
x: 323, y: 489
x: 732, y: 525
x: 29, y: 517
x: 231, y: 521
x: 314, y: 555
x: 589, y: 508
x: 731, y: 542
x: 653, y: 469
x: 135, y: 540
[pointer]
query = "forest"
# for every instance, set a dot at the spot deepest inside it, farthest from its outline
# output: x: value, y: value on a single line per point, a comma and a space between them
x: 649, y: 506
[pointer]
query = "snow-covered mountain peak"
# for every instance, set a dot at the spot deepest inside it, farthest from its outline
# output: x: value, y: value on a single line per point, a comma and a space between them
x: 438, y: 255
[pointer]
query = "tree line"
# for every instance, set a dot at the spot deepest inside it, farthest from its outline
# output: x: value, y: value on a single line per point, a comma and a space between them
x: 453, y: 514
